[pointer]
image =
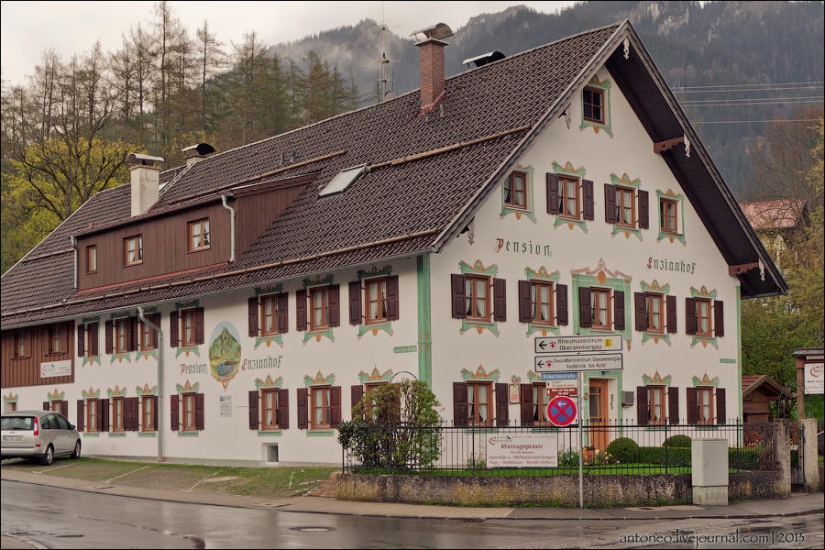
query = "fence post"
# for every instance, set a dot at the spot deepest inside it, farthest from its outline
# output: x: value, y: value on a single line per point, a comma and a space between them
x: 809, y: 455
x: 782, y: 456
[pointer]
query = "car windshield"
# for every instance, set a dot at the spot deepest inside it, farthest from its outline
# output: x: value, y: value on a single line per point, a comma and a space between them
x: 17, y: 422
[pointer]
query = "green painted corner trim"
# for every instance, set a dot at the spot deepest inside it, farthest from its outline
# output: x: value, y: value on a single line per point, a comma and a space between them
x: 424, y: 303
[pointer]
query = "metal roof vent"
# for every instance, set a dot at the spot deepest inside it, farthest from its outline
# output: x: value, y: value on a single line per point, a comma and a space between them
x: 436, y: 32
x: 484, y: 58
x: 196, y: 153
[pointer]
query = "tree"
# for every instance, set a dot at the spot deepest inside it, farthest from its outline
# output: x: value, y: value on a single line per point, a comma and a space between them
x: 394, y: 426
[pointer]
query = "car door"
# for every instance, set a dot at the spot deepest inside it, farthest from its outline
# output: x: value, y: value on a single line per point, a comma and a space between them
x: 64, y: 442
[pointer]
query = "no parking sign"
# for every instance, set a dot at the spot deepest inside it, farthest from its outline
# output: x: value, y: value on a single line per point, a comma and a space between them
x: 562, y: 410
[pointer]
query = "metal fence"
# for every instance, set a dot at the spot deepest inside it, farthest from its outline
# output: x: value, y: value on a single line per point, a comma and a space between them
x: 608, y: 449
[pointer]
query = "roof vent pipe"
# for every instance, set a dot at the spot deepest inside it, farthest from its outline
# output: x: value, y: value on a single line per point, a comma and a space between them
x: 196, y: 153
x: 431, y: 56
x: 145, y: 180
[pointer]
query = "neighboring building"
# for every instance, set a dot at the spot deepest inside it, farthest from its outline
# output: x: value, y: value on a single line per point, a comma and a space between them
x: 237, y: 308
x: 758, y: 392
x: 779, y: 223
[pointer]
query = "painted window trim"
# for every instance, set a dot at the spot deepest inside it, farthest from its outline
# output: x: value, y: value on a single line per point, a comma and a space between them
x: 664, y: 291
x: 639, y: 195
x: 529, y: 209
x: 364, y: 327
x: 490, y: 272
x: 553, y: 278
x: 612, y: 283
x: 606, y: 125
x: 680, y: 222
x: 570, y: 172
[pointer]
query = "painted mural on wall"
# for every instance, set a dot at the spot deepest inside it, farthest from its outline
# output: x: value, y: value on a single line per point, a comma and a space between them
x: 224, y: 353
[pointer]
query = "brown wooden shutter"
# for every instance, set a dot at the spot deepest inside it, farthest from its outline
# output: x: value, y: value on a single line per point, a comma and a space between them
x: 525, y: 302
x: 502, y: 404
x: 642, y: 407
x: 283, y: 312
x: 81, y: 340
x: 585, y: 311
x: 174, y: 413
x: 103, y: 415
x: 253, y: 409
x: 718, y: 318
x: 303, y: 412
x: 458, y: 296
x: 131, y: 414
x: 609, y: 203
x: 562, y: 314
x: 644, y: 209
x: 640, y: 306
x: 252, y: 316
x: 589, y: 200
x: 93, y: 329
x: 671, y: 315
x: 618, y: 310
x: 690, y: 316
x: 283, y: 409
x: 109, y: 337
x: 154, y: 403
x: 132, y: 334
x: 392, y: 298
x: 199, y: 329
x: 526, y: 404
x: 692, y: 405
x: 81, y: 415
x: 174, y: 342
x: 460, y: 403
x: 335, y: 406
x: 334, y: 305
x: 300, y: 310
x: 721, y: 407
x: 155, y: 317
x: 355, y: 303
x: 199, y: 411
x: 47, y: 405
x: 552, y: 193
x: 499, y: 300
x: 356, y: 392
x: 673, y: 405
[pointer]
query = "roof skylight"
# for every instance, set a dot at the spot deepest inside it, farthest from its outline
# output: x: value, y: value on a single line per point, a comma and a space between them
x: 343, y: 180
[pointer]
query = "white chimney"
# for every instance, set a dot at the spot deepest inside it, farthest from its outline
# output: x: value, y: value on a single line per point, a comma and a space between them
x: 432, y: 63
x: 145, y: 179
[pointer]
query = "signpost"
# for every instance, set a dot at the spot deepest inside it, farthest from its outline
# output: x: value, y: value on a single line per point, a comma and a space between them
x: 578, y: 363
x: 562, y: 411
x: 578, y: 344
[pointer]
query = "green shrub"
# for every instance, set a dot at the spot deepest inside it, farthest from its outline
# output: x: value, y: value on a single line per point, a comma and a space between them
x: 623, y: 450
x: 677, y: 441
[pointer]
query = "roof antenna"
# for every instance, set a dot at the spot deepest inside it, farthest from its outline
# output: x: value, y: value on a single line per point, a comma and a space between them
x: 385, y: 93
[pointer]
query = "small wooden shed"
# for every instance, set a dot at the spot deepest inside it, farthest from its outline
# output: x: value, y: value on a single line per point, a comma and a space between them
x: 757, y: 392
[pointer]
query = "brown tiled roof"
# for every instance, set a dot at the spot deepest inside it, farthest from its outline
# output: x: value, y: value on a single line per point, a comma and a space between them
x: 752, y: 382
x: 426, y: 174
x: 776, y: 214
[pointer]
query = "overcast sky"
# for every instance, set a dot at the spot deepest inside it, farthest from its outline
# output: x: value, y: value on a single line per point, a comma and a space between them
x: 31, y: 28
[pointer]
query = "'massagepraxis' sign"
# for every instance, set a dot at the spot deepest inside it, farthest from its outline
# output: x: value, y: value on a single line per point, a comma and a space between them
x: 523, y: 451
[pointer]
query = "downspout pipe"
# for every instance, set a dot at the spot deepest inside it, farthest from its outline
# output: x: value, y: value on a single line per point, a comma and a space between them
x: 159, y: 416
x: 231, y: 226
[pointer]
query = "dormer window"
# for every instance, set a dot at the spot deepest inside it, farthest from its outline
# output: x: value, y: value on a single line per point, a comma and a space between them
x: 199, y: 237
x: 91, y: 259
x: 133, y: 250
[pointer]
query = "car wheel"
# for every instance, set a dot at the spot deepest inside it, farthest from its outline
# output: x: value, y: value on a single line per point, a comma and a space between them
x: 76, y: 452
x: 48, y: 456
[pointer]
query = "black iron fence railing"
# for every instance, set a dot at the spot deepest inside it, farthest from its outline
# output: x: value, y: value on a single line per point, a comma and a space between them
x: 607, y: 449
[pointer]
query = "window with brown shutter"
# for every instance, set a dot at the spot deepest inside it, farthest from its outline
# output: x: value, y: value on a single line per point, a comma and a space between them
x: 303, y: 408
x: 502, y: 404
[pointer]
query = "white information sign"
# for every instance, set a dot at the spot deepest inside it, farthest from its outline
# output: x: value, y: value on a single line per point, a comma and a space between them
x: 226, y: 405
x: 55, y: 368
x: 523, y: 451
x: 814, y: 378
x: 578, y: 344
x: 602, y: 361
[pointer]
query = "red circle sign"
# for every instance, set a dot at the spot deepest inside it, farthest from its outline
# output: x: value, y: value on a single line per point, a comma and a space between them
x: 562, y: 411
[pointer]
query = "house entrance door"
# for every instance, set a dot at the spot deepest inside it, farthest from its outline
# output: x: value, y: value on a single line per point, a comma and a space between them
x: 597, y: 405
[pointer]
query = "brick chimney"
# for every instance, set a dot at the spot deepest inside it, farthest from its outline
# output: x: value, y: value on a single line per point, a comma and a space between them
x: 145, y: 180
x: 432, y: 63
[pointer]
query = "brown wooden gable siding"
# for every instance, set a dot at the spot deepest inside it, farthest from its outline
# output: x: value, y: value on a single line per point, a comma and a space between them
x: 165, y: 247
x: 254, y: 213
x: 26, y: 371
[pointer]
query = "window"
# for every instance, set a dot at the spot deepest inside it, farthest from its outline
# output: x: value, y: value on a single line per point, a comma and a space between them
x: 593, y: 104
x: 87, y: 340
x: 357, y: 392
x: 515, y: 191
x: 123, y: 335
x: 471, y: 298
x: 133, y: 250
x: 186, y: 327
x: 657, y: 404
x: 539, y: 404
x: 668, y: 215
x: 22, y: 344
x: 601, y: 308
x: 199, y: 238
x: 269, y: 409
x: 319, y: 407
x: 655, y: 312
x: 92, y: 415
x: 57, y: 339
x: 704, y: 407
x: 377, y: 296
x: 570, y: 197
x: 148, y: 413
x: 148, y: 337
x: 475, y: 404
x: 318, y: 308
x: 626, y: 207
x: 542, y: 303
x: 187, y: 412
x: 705, y: 317
x: 375, y: 300
x: 117, y: 414
x: 91, y: 259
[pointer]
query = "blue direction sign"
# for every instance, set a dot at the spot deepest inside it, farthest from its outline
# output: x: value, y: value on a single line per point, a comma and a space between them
x: 562, y: 411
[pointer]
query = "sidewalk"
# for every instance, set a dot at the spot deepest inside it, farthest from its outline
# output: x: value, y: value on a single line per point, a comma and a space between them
x: 795, y: 505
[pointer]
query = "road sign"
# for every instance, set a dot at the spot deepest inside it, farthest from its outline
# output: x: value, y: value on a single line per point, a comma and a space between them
x: 562, y: 410
x: 581, y: 362
x: 560, y: 376
x: 578, y: 344
x: 561, y: 383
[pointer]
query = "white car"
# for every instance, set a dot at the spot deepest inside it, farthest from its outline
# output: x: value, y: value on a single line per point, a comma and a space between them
x: 39, y: 435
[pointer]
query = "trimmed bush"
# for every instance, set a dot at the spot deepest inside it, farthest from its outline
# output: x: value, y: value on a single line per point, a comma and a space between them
x: 677, y: 441
x: 624, y: 450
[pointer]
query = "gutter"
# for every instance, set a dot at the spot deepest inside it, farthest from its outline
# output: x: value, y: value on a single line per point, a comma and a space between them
x: 159, y: 415
x: 231, y: 226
